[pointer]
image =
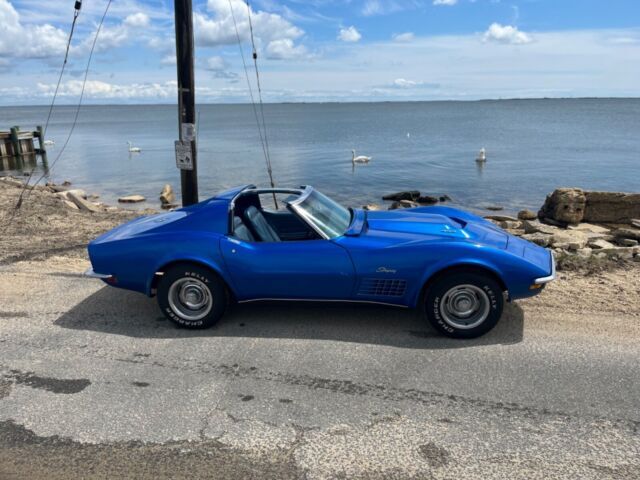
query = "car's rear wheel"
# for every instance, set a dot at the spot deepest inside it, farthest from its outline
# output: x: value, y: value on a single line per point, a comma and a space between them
x: 192, y: 296
x: 464, y: 304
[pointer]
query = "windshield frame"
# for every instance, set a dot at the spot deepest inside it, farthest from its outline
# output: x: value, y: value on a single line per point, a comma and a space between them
x: 296, y: 206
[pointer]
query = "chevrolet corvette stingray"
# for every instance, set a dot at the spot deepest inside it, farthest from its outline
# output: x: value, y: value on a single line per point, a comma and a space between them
x: 249, y: 244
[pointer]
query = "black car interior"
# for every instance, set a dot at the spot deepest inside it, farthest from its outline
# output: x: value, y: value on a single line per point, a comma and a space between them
x: 253, y: 223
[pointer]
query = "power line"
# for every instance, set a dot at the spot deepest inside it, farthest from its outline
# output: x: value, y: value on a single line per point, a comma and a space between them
x: 77, y: 112
x: 262, y: 125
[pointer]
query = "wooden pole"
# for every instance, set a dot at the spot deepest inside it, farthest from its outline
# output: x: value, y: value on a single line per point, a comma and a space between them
x: 186, y: 94
x: 40, y: 135
x: 15, y: 141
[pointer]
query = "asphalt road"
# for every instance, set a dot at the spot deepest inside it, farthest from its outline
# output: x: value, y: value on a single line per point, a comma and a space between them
x: 94, y: 383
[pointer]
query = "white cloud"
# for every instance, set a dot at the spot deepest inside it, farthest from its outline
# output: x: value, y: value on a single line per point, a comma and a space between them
x: 349, y: 34
x: 132, y: 28
x: 403, y: 37
x: 103, y: 90
x: 285, y: 49
x: 506, y: 34
x: 169, y: 59
x: 445, y: 2
x: 220, y: 69
x: 27, y: 41
x: 137, y: 20
x: 385, y: 7
x: 272, y: 30
x: 403, y: 83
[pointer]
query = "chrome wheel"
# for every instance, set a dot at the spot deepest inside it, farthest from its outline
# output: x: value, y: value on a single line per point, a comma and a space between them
x: 465, y: 307
x: 190, y: 299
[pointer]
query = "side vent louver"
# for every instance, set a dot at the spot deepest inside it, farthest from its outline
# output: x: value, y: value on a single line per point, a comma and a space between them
x: 379, y: 287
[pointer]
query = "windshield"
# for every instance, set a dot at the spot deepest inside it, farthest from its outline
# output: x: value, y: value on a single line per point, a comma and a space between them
x: 325, y: 215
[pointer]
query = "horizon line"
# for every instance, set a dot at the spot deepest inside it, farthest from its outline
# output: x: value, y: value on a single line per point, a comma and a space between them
x: 319, y: 102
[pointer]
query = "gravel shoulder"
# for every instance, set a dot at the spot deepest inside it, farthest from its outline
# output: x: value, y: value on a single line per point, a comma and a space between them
x: 94, y: 383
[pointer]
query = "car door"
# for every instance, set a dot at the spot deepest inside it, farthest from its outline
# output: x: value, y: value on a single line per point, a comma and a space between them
x: 307, y: 269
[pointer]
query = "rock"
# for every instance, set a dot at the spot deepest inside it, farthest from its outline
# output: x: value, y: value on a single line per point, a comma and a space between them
x: 589, y: 227
x: 132, y: 199
x: 600, y: 244
x: 542, y: 239
x: 568, y: 239
x: 611, y: 207
x: 494, y: 208
x: 627, y: 242
x: 445, y: 198
x: 517, y: 232
x: 631, y: 233
x: 403, y: 204
x: 584, y: 252
x: 372, y: 207
x: 66, y: 183
x: 82, y: 203
x: 527, y: 215
x: 427, y: 200
x: 635, y: 222
x: 167, y: 196
x: 566, y: 205
x: 509, y: 225
x: 536, y: 226
x: 70, y: 204
x: 625, y: 253
x: 169, y: 206
x: 407, y: 195
x: 501, y: 218
x: 77, y: 192
x: 11, y: 181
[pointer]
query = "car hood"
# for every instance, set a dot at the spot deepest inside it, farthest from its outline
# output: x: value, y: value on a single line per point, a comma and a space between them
x: 436, y: 224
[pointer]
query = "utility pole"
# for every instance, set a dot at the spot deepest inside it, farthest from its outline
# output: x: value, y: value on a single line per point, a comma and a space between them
x: 186, y: 154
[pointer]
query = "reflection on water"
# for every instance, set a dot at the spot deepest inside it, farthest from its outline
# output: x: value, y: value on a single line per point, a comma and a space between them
x: 535, y: 146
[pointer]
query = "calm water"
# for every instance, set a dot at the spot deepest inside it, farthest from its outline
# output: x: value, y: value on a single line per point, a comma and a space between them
x: 533, y: 146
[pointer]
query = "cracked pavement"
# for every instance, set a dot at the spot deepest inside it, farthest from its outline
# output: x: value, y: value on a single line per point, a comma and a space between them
x: 94, y: 383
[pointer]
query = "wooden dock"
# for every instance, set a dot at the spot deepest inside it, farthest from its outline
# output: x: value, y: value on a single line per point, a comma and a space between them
x: 18, y: 143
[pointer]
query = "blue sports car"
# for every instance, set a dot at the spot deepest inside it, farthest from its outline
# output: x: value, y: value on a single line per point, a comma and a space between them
x: 249, y: 244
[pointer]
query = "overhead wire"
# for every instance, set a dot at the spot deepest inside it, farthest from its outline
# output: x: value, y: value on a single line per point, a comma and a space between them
x: 82, y: 90
x: 259, y: 117
x: 264, y: 123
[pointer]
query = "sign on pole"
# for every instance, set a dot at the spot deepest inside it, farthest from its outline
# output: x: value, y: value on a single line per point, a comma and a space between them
x: 184, y: 156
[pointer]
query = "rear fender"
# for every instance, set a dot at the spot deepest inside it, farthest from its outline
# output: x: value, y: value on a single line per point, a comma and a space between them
x: 167, y: 262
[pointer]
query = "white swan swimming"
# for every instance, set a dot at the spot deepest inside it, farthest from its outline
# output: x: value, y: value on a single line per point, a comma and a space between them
x: 482, y: 156
x: 360, y: 158
x: 133, y: 149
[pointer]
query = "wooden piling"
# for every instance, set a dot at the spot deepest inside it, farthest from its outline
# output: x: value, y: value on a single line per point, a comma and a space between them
x: 15, y: 141
x: 39, y: 133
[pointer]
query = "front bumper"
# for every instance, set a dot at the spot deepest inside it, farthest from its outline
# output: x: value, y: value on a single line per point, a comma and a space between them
x: 91, y: 274
x: 550, y: 278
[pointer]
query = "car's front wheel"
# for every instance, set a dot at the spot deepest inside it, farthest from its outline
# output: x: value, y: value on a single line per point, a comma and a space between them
x: 464, y: 305
x: 192, y: 296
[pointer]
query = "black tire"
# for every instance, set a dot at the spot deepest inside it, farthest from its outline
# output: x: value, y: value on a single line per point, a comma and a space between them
x: 183, y: 288
x: 447, y: 298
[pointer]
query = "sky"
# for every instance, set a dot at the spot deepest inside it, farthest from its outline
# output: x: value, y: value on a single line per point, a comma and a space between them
x: 326, y: 50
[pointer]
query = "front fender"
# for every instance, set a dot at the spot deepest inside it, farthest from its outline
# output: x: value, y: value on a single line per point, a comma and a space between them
x: 448, y: 263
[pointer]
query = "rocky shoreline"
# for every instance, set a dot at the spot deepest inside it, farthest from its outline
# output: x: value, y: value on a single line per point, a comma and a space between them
x: 588, y: 231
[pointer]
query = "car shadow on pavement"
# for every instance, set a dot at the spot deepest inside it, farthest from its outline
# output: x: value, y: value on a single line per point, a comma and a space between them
x: 120, y: 312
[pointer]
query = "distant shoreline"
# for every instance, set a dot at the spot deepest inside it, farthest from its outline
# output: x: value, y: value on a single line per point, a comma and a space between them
x: 171, y: 104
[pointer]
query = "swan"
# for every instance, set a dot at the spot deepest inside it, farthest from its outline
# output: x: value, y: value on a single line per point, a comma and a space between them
x: 482, y: 156
x: 359, y: 159
x: 133, y: 149
x: 49, y: 142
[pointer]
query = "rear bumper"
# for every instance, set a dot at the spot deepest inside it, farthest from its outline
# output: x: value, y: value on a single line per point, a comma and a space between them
x: 91, y: 274
x: 551, y: 277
